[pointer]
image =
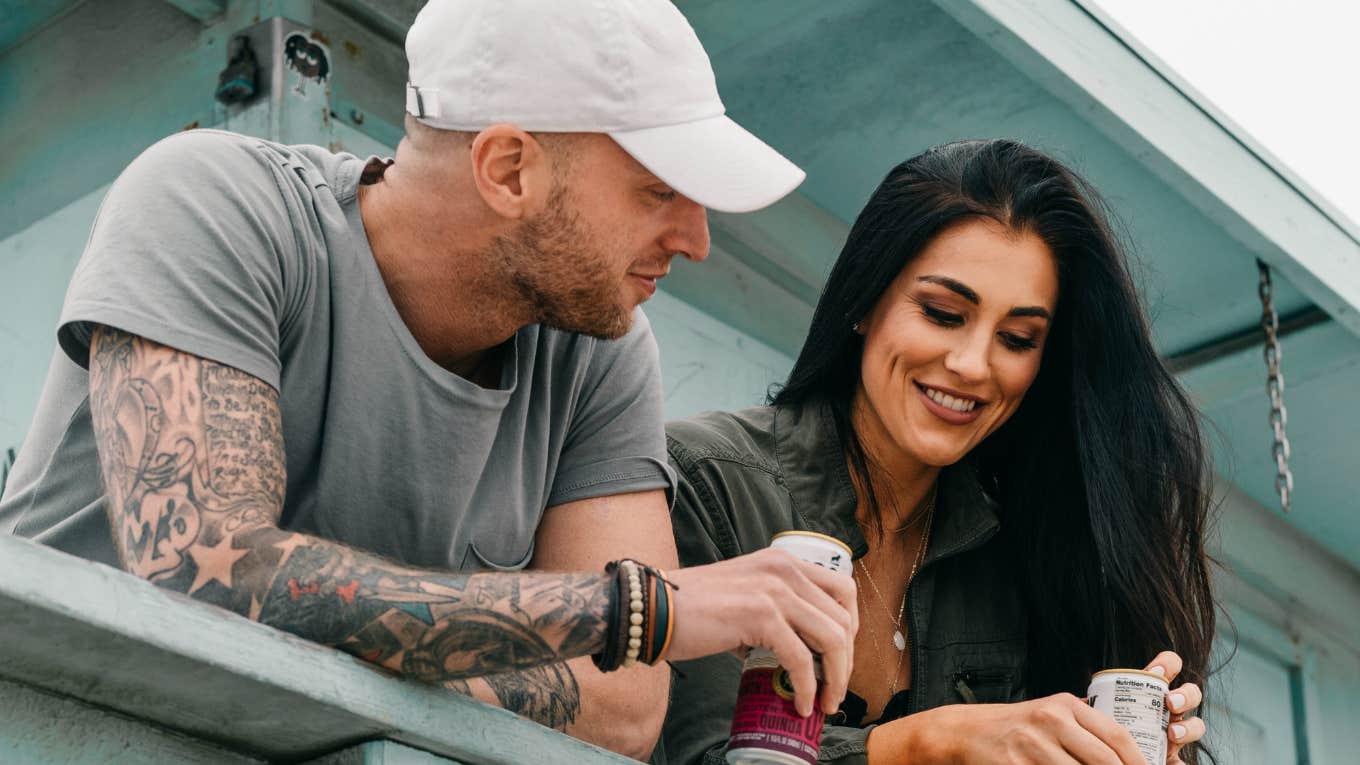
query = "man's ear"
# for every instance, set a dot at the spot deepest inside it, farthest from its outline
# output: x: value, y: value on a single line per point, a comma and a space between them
x: 512, y: 171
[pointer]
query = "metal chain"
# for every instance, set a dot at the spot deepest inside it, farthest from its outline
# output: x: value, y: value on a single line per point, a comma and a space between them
x: 1279, y: 416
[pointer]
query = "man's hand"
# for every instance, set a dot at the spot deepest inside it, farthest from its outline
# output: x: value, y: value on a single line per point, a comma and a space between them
x: 622, y: 711
x: 770, y: 599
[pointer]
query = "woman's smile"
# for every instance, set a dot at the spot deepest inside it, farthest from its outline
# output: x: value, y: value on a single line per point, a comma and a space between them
x: 953, y: 408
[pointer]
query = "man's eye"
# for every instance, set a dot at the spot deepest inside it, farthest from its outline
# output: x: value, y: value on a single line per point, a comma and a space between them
x: 664, y: 196
x: 943, y: 318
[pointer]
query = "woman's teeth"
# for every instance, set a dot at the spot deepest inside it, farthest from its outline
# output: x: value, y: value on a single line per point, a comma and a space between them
x: 949, y: 402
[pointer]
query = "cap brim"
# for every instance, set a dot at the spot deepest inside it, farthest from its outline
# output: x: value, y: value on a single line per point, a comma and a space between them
x: 714, y: 162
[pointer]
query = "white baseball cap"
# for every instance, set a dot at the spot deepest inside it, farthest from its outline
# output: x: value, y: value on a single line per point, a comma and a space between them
x: 633, y: 69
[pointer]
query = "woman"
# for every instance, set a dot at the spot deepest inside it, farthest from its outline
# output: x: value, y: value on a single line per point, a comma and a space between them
x: 980, y: 414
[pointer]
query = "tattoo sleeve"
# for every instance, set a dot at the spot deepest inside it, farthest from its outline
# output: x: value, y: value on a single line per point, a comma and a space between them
x: 548, y: 695
x: 192, y: 458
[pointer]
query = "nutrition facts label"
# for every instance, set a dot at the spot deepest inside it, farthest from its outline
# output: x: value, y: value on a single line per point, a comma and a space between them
x: 1137, y: 703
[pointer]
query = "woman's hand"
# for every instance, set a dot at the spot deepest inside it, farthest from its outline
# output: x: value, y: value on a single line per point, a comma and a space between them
x: 1056, y: 730
x: 1180, y: 701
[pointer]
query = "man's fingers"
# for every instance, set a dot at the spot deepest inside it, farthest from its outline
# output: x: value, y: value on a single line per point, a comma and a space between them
x: 839, y: 587
x: 796, y: 659
x: 1168, y: 664
x: 838, y: 601
x: 1184, y: 699
x: 829, y: 638
x: 836, y: 661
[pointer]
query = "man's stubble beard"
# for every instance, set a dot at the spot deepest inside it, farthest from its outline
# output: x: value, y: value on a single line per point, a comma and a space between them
x: 566, y: 282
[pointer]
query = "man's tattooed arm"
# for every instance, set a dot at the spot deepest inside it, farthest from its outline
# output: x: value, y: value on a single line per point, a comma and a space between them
x: 192, y: 457
x: 548, y: 695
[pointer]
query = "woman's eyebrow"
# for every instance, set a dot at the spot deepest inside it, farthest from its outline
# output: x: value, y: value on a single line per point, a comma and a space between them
x: 966, y: 292
x: 969, y: 294
x: 1032, y: 310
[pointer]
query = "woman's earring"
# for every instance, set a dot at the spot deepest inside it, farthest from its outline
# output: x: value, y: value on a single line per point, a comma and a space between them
x: 855, y: 328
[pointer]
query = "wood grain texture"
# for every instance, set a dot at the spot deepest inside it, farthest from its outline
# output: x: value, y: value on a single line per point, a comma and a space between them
x: 38, y: 728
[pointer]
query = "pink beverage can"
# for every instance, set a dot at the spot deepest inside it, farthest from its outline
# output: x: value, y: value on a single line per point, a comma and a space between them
x: 766, y: 728
x: 1136, y: 700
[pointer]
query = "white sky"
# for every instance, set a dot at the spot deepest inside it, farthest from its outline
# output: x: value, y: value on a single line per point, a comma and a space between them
x: 1286, y: 71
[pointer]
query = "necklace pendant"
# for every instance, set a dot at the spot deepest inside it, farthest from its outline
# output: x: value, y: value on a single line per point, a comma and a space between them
x: 899, y: 640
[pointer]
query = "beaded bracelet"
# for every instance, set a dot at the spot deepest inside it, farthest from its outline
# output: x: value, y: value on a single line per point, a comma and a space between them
x: 635, y: 611
x: 640, y: 617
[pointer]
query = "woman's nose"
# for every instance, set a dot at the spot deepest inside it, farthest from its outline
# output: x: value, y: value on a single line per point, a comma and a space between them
x: 969, y: 360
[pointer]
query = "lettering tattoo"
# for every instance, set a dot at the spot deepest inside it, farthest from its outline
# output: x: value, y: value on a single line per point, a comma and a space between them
x: 192, y: 458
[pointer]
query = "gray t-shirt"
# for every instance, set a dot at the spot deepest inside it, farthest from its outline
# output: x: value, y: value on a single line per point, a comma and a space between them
x: 254, y: 255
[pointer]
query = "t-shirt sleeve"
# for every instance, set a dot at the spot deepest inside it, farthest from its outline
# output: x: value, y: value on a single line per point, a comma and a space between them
x: 189, y: 250
x: 616, y: 443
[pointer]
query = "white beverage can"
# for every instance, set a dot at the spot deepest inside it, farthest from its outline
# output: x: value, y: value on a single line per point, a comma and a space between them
x: 766, y: 728
x: 1136, y: 700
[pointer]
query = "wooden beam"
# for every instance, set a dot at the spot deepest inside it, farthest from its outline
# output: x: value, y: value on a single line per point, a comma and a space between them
x: 1314, y: 348
x: 87, y: 631
x: 1275, y: 571
x: 40, y: 727
x: 203, y: 10
x: 1246, y: 339
x: 1075, y: 56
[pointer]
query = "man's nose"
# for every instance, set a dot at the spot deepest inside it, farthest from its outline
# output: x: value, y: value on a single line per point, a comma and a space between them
x: 688, y: 234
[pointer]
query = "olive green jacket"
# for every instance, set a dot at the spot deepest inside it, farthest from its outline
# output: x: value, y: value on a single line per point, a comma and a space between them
x: 747, y: 476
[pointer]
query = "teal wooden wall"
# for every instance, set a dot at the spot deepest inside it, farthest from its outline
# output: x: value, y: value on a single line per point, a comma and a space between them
x: 135, y: 70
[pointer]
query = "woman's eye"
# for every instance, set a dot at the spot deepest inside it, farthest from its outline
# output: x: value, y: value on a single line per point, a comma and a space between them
x: 1017, y: 342
x: 943, y: 318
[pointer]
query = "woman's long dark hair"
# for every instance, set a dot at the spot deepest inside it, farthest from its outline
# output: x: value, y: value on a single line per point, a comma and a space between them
x: 1101, y: 474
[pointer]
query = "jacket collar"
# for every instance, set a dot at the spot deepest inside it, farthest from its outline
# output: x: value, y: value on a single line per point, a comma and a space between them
x: 812, y: 466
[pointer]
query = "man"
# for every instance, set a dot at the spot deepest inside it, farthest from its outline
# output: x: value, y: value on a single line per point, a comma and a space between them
x: 285, y: 363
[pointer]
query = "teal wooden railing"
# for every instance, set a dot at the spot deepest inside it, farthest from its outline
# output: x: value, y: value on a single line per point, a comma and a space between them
x: 97, y: 666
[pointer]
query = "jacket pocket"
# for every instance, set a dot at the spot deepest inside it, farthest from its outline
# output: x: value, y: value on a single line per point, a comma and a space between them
x: 983, y: 685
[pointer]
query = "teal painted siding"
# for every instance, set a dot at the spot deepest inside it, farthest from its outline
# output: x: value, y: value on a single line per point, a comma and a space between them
x: 906, y: 74
x: 35, y: 265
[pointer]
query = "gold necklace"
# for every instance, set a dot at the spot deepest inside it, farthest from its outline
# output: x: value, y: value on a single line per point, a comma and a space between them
x: 899, y: 639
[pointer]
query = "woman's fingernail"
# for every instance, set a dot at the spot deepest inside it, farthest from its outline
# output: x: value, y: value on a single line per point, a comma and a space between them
x: 1177, y: 700
x: 1177, y: 732
x: 1158, y: 670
